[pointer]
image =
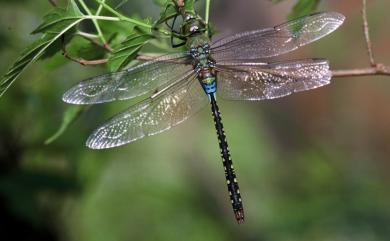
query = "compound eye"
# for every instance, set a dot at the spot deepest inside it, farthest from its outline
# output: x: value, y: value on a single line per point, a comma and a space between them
x: 192, y: 50
x: 206, y: 48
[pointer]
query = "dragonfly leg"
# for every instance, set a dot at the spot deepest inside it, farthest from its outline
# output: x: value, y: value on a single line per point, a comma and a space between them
x: 178, y: 36
x: 175, y: 34
x: 231, y: 180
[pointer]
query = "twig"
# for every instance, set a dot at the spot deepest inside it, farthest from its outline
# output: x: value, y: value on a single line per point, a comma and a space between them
x: 367, y: 33
x: 84, y: 61
x: 378, y: 69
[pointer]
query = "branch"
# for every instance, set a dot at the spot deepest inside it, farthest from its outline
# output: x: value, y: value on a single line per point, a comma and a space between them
x: 53, y: 3
x: 366, y: 31
x: 84, y: 61
x: 378, y: 69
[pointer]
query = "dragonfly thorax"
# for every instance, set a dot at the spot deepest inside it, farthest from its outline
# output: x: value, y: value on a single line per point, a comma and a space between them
x: 204, y: 66
x: 201, y: 51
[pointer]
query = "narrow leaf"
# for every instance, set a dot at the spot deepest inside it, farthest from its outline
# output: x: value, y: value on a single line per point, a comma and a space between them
x: 190, y: 6
x: 55, y: 24
x: 302, y: 8
x: 70, y: 115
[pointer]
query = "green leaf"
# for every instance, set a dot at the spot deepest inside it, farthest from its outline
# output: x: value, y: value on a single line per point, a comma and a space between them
x: 302, y: 8
x: 70, y: 115
x: 190, y: 6
x: 162, y: 3
x: 57, y: 45
x: 59, y: 18
x: 55, y: 24
x: 129, y: 48
x: 168, y: 11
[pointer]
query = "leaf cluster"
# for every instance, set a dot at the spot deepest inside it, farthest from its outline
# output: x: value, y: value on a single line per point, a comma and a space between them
x: 115, y: 39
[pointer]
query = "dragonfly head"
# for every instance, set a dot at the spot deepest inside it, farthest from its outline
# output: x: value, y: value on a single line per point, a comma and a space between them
x: 193, y: 25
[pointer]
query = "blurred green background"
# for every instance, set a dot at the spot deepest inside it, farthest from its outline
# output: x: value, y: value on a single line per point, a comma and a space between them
x: 311, y: 166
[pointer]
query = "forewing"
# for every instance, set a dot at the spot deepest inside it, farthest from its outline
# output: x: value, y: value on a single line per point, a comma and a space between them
x: 136, y: 81
x: 279, y: 40
x: 254, y: 81
x: 152, y: 116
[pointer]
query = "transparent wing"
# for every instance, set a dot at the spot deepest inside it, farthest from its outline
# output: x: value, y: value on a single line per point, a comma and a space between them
x: 275, y: 41
x: 151, y: 116
x: 139, y: 80
x: 258, y: 81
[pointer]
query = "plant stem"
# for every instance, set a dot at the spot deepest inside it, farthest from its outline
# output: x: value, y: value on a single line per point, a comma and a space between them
x: 92, y: 38
x: 207, y: 13
x: 95, y: 22
x: 105, y: 18
x: 87, y: 35
x: 122, y: 17
x: 99, y: 10
x: 127, y: 19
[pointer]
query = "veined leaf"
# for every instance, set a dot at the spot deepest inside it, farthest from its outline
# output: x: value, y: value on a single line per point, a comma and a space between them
x: 70, y: 115
x: 59, y: 18
x: 129, y: 48
x: 302, y: 8
x: 55, y: 24
x: 190, y: 6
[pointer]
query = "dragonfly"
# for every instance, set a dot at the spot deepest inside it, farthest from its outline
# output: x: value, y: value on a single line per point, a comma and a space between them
x: 176, y: 86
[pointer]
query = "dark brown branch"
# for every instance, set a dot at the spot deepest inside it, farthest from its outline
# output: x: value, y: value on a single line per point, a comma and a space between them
x: 53, y: 3
x: 378, y: 69
x: 366, y: 31
x: 80, y: 60
x: 84, y: 61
